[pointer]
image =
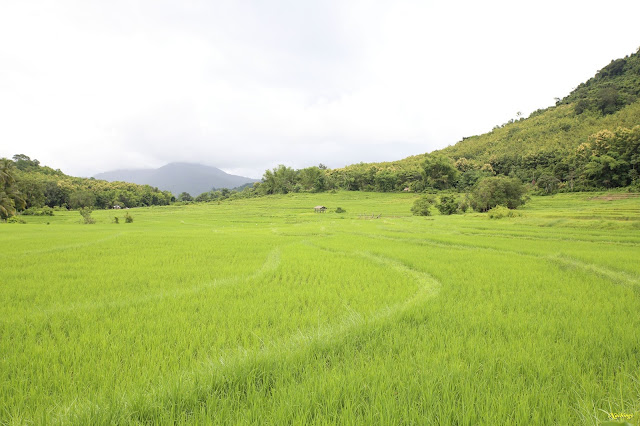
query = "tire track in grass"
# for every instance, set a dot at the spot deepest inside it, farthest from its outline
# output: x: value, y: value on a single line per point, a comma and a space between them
x: 619, y: 277
x: 270, y: 264
x: 234, y: 368
x: 546, y: 238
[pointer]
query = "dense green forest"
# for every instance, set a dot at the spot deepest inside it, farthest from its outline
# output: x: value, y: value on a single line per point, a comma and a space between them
x: 41, y: 186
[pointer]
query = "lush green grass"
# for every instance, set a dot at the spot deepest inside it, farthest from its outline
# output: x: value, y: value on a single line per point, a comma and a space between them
x: 261, y: 311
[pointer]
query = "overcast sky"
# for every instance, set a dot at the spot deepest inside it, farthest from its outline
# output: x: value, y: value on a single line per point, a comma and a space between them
x: 90, y: 86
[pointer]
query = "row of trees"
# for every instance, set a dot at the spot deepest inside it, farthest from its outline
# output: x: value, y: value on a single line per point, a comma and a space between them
x: 41, y: 186
x: 488, y: 193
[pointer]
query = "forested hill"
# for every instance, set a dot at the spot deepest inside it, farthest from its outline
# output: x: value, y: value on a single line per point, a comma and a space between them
x: 552, y: 136
x: 42, y: 186
x: 589, y: 139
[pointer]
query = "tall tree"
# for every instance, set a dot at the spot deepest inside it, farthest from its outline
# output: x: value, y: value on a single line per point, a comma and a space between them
x: 10, y: 197
x: 439, y: 171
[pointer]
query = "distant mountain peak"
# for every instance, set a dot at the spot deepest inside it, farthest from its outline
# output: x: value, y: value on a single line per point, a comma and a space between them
x: 179, y: 177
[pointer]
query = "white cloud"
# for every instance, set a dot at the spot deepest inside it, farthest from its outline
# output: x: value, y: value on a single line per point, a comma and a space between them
x: 89, y: 86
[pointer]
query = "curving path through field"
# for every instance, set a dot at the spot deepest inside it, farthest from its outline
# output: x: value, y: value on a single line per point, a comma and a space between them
x: 230, y: 369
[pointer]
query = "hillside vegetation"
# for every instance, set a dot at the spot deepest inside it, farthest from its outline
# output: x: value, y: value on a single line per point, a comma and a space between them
x: 589, y: 140
x: 42, y: 186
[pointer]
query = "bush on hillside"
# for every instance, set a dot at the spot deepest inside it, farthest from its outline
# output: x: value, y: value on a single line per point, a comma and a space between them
x: 421, y: 207
x: 85, y: 212
x: 498, y: 190
x: 499, y: 212
x: 448, y: 205
x: 34, y: 211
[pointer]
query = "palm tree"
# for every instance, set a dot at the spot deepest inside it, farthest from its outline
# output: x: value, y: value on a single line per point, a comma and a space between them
x: 10, y: 197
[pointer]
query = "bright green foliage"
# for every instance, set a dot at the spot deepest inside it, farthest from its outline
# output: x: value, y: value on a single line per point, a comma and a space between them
x: 258, y: 311
x: 496, y: 191
x: 128, y: 218
x: 280, y: 180
x: 422, y: 206
x: 499, y: 212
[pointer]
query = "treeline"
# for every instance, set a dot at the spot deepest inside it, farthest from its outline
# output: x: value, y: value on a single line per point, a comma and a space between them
x: 246, y: 191
x: 42, y: 186
x: 606, y: 159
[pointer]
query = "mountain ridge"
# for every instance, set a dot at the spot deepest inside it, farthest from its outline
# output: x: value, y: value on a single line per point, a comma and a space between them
x: 179, y: 177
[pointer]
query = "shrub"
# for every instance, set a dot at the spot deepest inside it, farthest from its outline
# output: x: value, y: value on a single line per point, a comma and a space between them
x: 463, y: 205
x: 421, y: 207
x: 116, y: 220
x: 85, y: 212
x: 128, y: 218
x: 15, y: 219
x: 33, y: 211
x: 499, y: 190
x: 448, y: 205
x: 340, y: 210
x: 499, y: 212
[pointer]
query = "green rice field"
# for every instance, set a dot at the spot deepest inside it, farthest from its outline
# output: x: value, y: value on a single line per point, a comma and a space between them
x: 260, y: 311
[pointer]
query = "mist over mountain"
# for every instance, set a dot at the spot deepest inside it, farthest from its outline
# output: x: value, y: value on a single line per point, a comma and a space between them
x: 179, y: 177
